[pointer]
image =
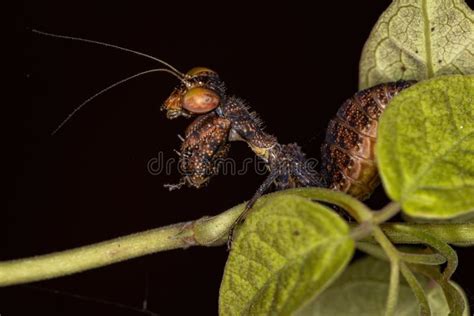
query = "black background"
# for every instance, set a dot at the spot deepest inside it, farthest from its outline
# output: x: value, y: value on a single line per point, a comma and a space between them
x: 295, y: 63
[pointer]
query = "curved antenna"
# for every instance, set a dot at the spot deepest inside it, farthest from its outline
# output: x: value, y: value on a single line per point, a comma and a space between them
x: 80, y: 106
x: 111, y: 46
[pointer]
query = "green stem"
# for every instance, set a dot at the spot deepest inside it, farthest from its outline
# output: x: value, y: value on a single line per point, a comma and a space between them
x: 390, y: 210
x: 396, y: 264
x: 455, y: 234
x: 456, y: 301
x: 442, y: 247
x: 358, y: 210
x: 394, y: 284
x: 417, y: 290
x: 208, y: 231
x: 415, y: 258
x: 362, y: 231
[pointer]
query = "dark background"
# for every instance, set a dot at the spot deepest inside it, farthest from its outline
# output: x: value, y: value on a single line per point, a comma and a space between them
x: 294, y: 64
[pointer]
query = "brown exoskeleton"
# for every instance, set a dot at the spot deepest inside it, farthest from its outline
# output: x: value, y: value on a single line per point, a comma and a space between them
x: 204, y: 144
x: 230, y: 120
x: 348, y: 153
x: 347, y: 160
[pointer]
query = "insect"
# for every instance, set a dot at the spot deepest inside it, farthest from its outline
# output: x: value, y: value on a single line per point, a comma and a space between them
x: 231, y: 119
x: 347, y: 154
x: 348, y: 151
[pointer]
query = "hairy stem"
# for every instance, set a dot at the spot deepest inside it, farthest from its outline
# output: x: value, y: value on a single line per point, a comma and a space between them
x: 417, y: 290
x: 358, y: 210
x: 415, y: 258
x: 390, y: 210
x: 442, y: 247
x: 207, y: 231
x: 394, y: 258
x: 455, y: 234
x: 456, y: 301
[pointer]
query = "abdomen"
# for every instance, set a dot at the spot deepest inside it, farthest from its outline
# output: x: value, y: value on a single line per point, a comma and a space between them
x: 348, y: 151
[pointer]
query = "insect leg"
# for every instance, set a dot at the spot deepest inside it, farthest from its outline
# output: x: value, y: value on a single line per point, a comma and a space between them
x: 248, y: 207
x: 204, y: 146
x: 176, y: 186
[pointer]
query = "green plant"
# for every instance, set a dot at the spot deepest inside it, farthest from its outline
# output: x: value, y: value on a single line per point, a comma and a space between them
x: 293, y: 254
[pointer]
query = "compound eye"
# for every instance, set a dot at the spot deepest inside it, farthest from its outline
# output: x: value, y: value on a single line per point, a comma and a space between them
x: 200, y: 100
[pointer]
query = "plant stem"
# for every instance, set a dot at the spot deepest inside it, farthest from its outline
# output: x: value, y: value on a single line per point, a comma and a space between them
x: 390, y: 210
x: 417, y: 289
x: 207, y: 231
x: 456, y: 301
x: 455, y: 234
x: 415, y: 258
x: 392, y: 255
x: 442, y: 247
x: 358, y: 210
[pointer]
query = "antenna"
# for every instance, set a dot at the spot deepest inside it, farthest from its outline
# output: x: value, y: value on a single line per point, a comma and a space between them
x: 111, y: 46
x: 80, y: 106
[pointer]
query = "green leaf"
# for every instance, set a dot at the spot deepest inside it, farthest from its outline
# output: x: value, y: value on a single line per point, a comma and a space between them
x: 425, y: 148
x: 453, y: 293
x: 285, y: 253
x: 362, y: 290
x: 419, y: 39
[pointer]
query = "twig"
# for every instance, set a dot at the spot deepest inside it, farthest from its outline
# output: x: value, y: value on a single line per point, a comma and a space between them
x: 207, y: 231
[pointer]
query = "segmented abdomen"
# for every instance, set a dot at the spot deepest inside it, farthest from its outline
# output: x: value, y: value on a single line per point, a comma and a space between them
x: 348, y: 152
